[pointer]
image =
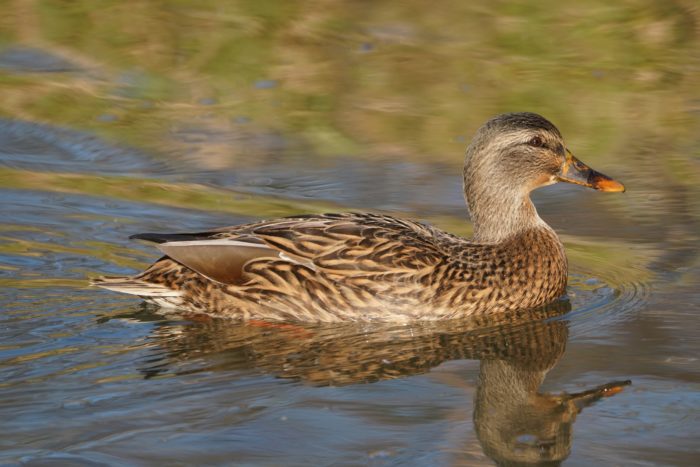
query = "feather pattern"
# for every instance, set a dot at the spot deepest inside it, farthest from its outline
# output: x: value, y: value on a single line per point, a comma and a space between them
x: 373, y: 267
x: 358, y: 267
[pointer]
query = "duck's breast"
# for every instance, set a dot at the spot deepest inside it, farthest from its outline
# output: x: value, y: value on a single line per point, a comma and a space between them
x: 527, y: 270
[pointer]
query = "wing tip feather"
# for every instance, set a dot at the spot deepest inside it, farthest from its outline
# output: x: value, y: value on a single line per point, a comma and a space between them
x: 133, y: 286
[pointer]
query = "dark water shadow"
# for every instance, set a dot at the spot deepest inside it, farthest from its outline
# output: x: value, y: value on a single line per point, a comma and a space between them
x: 515, y: 423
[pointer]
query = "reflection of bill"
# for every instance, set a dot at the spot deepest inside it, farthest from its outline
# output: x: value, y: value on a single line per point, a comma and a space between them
x: 514, y: 423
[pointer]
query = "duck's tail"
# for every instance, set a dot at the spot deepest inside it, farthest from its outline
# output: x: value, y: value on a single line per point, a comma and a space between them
x: 154, y: 293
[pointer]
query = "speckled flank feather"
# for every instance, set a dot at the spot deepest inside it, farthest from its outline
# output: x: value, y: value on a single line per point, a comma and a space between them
x: 370, y: 267
x: 350, y: 267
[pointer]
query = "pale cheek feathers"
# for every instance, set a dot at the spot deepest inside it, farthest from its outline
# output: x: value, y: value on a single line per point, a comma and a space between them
x: 542, y: 180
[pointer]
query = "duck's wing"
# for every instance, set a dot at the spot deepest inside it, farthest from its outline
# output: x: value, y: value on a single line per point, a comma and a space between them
x: 339, y: 245
x: 352, y: 244
x: 218, y: 258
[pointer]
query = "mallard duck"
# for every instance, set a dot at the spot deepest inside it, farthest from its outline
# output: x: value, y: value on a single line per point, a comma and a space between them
x: 374, y: 267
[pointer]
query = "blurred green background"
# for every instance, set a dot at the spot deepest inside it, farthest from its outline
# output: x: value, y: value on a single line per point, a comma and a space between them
x: 357, y: 77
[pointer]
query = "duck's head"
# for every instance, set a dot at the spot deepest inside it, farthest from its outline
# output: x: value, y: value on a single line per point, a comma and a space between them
x: 513, y: 154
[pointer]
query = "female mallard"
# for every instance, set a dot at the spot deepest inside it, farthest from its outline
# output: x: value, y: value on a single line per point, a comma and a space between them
x: 371, y: 267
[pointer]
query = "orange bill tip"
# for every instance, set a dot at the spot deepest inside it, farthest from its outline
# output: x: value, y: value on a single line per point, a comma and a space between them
x: 608, y: 184
x: 613, y: 390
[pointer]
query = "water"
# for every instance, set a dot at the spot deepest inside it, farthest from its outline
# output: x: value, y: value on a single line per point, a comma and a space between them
x: 123, y: 119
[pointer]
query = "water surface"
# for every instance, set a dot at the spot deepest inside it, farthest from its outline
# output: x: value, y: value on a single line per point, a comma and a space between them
x: 119, y: 119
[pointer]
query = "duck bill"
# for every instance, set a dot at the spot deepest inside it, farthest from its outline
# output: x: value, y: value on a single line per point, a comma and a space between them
x: 575, y: 171
x: 583, y: 399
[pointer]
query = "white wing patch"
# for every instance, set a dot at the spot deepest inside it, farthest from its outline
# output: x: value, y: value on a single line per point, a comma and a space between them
x: 214, y: 242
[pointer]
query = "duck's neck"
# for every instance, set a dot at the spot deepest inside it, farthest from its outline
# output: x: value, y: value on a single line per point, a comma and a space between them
x: 503, y: 384
x: 498, y: 216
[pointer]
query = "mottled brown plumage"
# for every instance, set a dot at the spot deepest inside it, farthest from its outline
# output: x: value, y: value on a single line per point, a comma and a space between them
x: 371, y: 267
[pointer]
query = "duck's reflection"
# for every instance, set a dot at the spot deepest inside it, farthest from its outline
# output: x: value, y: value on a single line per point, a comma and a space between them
x: 514, y: 422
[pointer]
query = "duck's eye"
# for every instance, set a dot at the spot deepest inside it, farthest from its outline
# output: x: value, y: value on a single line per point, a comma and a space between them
x: 536, y: 142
